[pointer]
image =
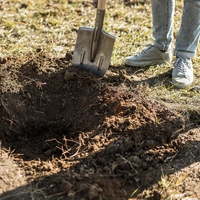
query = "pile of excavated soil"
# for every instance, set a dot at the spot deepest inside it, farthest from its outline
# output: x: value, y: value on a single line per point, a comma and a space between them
x: 76, y: 136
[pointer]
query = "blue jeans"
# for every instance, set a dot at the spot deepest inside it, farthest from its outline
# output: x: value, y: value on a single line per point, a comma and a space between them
x: 163, y: 25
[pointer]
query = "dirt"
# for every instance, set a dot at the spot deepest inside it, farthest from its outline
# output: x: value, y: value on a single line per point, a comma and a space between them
x: 68, y: 134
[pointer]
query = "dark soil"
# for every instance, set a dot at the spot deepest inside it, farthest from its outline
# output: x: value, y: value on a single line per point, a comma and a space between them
x: 68, y: 134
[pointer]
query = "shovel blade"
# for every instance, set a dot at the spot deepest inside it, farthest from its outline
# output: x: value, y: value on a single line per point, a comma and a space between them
x: 82, y: 51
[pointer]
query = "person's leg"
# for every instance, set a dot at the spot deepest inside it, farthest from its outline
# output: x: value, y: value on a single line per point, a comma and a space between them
x: 186, y: 44
x: 189, y: 33
x: 160, y: 51
x: 163, y: 23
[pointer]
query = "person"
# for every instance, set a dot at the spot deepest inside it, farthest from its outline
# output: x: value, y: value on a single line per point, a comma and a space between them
x: 186, y: 41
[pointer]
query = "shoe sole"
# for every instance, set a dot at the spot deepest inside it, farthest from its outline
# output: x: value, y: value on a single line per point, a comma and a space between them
x: 143, y: 64
x: 180, y: 85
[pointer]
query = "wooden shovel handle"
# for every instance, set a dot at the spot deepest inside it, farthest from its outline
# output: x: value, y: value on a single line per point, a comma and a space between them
x: 101, y: 4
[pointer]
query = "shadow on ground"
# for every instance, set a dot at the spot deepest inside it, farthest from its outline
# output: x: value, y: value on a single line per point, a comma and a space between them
x: 77, y: 136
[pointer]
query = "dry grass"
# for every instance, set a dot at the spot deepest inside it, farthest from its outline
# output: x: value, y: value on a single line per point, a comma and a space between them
x: 50, y: 26
x: 27, y: 28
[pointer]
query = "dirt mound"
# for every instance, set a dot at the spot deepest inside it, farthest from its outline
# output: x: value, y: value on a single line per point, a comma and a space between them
x: 83, y: 137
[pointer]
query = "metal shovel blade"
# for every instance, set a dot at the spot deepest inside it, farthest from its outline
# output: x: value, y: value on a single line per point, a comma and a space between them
x: 82, y: 51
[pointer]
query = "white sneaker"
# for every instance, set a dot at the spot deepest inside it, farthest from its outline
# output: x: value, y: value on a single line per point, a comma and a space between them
x: 149, y: 56
x: 182, y: 74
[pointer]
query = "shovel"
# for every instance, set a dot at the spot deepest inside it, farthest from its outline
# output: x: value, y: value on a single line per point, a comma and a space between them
x: 93, y: 49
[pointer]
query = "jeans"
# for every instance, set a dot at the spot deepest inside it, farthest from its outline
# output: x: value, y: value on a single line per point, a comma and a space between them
x: 163, y: 25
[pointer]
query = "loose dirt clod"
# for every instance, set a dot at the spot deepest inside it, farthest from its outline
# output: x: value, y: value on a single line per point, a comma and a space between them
x: 65, y: 186
x: 94, y: 191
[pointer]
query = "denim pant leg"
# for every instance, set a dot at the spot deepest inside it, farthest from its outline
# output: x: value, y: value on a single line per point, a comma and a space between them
x: 163, y: 22
x: 188, y: 36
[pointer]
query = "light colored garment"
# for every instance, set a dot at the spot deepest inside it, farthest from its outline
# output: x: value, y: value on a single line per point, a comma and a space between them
x: 163, y: 26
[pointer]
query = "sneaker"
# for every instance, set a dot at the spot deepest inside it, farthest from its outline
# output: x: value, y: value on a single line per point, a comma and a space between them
x: 182, y: 74
x: 149, y: 56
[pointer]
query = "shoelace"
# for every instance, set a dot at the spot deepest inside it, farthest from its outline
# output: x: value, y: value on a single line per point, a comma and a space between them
x: 149, y: 46
x: 182, y: 65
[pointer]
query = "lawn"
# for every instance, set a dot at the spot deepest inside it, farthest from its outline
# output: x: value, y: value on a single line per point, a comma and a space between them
x: 67, y: 134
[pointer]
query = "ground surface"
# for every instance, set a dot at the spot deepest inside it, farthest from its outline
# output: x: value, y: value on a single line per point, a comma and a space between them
x: 68, y: 134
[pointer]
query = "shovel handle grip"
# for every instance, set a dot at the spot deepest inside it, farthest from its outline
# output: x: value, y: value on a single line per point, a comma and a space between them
x: 101, y: 4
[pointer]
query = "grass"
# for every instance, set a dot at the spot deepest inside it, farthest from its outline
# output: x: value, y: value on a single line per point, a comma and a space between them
x: 169, y: 186
x: 51, y: 26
